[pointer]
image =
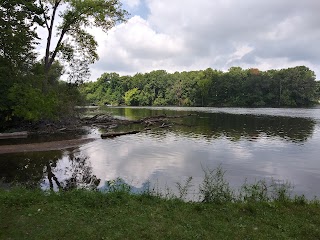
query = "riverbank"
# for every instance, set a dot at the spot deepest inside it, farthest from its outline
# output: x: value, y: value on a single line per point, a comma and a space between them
x: 32, y: 214
x: 44, y: 146
x: 107, y: 123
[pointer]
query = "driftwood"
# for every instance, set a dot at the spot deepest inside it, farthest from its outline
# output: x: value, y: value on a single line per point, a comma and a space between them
x: 109, y: 122
x: 103, y: 119
x: 164, y: 125
x: 116, y: 134
x: 13, y: 135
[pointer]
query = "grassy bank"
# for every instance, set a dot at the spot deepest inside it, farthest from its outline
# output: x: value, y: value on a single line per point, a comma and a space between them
x: 81, y: 214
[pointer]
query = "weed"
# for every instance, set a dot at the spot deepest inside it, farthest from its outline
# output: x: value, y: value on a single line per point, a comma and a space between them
x: 117, y: 185
x: 300, y: 200
x: 214, y: 187
x: 167, y: 194
x: 281, y: 190
x: 255, y: 192
x: 183, y: 189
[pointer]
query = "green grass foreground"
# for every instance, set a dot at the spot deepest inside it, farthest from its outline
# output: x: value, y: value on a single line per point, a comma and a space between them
x: 82, y: 214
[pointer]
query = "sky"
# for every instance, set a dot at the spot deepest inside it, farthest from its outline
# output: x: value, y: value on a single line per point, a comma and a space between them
x: 184, y: 35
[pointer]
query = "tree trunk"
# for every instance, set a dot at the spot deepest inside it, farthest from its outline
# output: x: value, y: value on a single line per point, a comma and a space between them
x: 47, y: 59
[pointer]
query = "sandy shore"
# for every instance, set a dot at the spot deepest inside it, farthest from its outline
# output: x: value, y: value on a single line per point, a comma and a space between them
x: 44, y: 146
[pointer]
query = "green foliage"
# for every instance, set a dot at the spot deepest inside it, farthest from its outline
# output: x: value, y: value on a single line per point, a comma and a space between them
x: 184, y: 188
x: 75, y: 45
x: 17, y: 36
x: 21, y: 76
x: 256, y: 192
x: 131, y: 97
x: 215, y: 188
x: 117, y: 186
x: 317, y: 92
x: 31, y: 90
x: 17, y: 42
x: 31, y: 104
x: 293, y: 87
x: 262, y: 191
x: 281, y: 191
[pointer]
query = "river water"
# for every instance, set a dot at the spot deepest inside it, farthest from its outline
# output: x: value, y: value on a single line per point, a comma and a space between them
x: 249, y: 144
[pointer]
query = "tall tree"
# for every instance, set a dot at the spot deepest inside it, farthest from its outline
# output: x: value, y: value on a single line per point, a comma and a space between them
x: 18, y: 36
x: 74, y: 43
x: 17, y: 41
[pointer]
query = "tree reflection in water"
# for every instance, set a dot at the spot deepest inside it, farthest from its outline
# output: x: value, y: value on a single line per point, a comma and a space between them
x: 236, y: 127
x: 51, y: 175
x: 63, y: 170
x: 81, y: 175
x: 54, y: 170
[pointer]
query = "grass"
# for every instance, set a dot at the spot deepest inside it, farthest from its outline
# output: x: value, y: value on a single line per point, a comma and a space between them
x: 258, y: 211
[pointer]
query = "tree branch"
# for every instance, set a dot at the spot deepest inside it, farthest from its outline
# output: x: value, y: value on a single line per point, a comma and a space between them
x: 55, y: 52
x: 44, y: 15
x: 50, y: 29
x: 65, y: 29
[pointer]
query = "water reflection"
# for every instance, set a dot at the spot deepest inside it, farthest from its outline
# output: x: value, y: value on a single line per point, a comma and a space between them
x: 237, y: 127
x: 80, y: 173
x: 54, y: 170
x: 233, y: 126
x: 247, y: 145
x: 26, y: 169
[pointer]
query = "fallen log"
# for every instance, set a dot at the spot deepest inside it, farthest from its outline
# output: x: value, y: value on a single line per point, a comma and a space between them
x: 14, y: 135
x: 104, y: 120
x: 164, y: 126
x: 116, y: 134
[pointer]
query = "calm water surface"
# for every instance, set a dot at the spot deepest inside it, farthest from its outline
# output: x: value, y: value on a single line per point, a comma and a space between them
x: 249, y: 144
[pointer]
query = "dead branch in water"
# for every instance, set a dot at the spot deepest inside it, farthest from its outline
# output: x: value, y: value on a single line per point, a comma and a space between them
x: 102, y: 120
x: 116, y: 134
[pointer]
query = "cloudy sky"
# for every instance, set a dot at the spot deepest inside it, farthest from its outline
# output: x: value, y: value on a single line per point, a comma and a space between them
x: 178, y: 35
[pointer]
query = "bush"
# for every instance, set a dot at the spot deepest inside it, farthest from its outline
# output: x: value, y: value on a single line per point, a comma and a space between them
x: 31, y: 104
x: 214, y: 187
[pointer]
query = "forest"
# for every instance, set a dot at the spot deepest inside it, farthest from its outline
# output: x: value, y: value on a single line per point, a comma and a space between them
x: 292, y: 87
x: 31, y: 88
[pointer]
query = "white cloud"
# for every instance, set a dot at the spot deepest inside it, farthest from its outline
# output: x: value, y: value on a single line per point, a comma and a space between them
x: 182, y: 35
x: 132, y: 3
x: 240, y: 52
x: 138, y: 161
x: 136, y: 47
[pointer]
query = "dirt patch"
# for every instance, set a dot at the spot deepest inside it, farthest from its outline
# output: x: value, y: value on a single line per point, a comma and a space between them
x: 44, y: 146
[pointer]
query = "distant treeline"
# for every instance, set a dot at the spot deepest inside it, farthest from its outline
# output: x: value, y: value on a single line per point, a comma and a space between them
x: 238, y: 87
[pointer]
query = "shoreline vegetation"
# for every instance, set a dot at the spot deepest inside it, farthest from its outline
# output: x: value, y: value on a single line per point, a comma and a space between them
x: 292, y: 87
x: 259, y: 211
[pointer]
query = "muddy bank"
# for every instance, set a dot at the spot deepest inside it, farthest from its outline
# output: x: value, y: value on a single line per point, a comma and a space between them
x: 44, y: 146
x: 106, y: 121
x: 108, y: 124
x: 103, y: 121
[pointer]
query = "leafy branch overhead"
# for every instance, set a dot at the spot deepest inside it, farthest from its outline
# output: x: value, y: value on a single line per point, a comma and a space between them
x: 76, y: 17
